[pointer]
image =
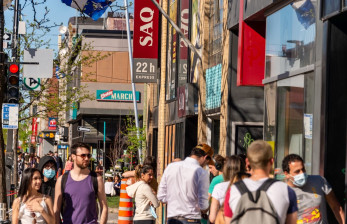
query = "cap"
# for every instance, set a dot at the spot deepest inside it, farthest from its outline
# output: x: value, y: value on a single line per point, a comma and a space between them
x: 208, y: 150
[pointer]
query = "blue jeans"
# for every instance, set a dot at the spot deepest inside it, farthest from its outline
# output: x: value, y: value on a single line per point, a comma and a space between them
x: 182, y: 221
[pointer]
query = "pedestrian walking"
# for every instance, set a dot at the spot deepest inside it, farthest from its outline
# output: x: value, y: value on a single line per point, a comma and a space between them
x: 216, y: 170
x: 259, y: 199
x: 151, y: 161
x: 143, y: 195
x: 31, y: 206
x: 117, y: 184
x: 68, y: 164
x: 233, y: 165
x: 79, y: 190
x: 48, y: 168
x: 109, y: 190
x: 184, y: 187
x: 59, y: 163
x: 312, y: 192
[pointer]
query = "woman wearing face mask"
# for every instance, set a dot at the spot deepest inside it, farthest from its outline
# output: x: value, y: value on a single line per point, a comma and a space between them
x: 143, y: 194
x: 48, y: 167
x: 31, y: 206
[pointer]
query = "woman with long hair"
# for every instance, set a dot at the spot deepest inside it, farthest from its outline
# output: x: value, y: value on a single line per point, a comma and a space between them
x: 151, y: 161
x: 232, y: 166
x: 31, y: 206
x: 143, y: 195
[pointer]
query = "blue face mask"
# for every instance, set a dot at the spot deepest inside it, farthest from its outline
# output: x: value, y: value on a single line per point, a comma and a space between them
x: 49, y: 173
x: 300, y: 179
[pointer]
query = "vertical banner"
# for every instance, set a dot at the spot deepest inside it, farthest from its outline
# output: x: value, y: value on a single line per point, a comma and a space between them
x: 183, y: 51
x: 196, y: 41
x: 34, y: 126
x: 145, y: 42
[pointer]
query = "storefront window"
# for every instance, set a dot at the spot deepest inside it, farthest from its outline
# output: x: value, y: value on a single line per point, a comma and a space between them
x: 290, y: 38
x: 294, y: 118
x: 331, y: 6
x: 216, y: 32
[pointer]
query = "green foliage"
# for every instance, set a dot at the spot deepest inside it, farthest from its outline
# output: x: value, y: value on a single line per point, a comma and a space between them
x: 113, y: 202
x: 134, y: 137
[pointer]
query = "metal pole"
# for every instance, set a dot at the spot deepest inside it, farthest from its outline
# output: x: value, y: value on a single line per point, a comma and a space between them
x: 103, y: 153
x: 131, y: 74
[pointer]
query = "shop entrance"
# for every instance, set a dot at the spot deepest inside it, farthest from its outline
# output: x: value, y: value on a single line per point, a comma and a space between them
x: 336, y: 100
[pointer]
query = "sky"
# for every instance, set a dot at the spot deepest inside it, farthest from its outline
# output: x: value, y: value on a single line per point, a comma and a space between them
x: 59, y: 13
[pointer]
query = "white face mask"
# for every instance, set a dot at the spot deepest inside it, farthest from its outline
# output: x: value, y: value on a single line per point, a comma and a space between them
x: 300, y: 179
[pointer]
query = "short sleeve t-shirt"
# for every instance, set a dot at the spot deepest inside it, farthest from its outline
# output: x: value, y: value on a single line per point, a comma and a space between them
x: 219, y: 191
x: 311, y: 200
x: 216, y: 180
x: 280, y: 194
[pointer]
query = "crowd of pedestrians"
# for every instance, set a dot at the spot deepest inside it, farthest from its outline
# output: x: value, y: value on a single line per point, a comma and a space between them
x: 241, y: 190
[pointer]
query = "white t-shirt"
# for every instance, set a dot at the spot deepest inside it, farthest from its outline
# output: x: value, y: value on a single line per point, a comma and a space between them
x: 108, y: 187
x: 280, y: 194
x: 219, y: 191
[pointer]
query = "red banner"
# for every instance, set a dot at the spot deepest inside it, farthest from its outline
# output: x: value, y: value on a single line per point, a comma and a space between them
x: 145, y: 41
x: 33, y: 139
x: 34, y: 126
x: 146, y: 28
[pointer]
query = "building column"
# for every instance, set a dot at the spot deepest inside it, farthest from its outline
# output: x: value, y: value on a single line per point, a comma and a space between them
x: 161, y: 106
x: 223, y: 137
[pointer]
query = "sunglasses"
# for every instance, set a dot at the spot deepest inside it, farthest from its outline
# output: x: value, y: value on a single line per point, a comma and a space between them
x: 85, y: 155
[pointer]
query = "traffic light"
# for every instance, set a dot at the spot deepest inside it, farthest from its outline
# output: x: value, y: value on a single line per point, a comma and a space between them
x: 13, y: 83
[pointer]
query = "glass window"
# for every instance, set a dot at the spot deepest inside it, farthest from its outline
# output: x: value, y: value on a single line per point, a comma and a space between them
x: 294, y: 118
x: 216, y: 33
x: 171, y: 53
x: 331, y: 6
x: 290, y: 38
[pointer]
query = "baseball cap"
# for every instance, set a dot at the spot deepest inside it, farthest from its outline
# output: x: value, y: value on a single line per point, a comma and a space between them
x: 208, y: 150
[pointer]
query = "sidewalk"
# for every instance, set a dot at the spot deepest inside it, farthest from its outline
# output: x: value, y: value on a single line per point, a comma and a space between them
x: 112, y: 216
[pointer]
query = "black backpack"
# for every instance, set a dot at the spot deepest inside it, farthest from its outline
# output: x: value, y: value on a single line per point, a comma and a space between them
x: 255, y: 207
x: 63, y: 184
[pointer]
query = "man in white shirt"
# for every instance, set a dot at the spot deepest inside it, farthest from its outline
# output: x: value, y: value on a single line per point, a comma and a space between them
x: 184, y: 186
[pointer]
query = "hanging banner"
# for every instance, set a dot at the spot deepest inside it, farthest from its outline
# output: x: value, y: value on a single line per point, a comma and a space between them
x: 145, y: 42
x: 34, y: 126
x: 183, y: 51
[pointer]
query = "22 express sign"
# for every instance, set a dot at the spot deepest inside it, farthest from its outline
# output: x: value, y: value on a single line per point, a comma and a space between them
x: 145, y: 41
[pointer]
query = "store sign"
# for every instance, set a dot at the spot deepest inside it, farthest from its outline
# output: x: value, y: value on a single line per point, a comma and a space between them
x: 46, y: 135
x: 183, y: 53
x: 181, y: 101
x: 145, y: 42
x: 115, y: 95
x: 52, y: 123
x: 34, y: 126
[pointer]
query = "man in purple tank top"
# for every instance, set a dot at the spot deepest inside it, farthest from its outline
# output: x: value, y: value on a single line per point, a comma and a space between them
x: 78, y: 196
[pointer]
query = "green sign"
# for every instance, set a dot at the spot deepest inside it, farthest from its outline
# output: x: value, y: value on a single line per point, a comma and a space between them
x: 116, y: 95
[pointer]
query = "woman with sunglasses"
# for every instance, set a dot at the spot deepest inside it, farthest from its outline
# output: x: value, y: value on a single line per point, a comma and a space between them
x: 143, y: 195
x: 31, y: 206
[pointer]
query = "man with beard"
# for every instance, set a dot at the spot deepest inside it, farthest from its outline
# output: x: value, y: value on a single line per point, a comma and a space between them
x: 78, y: 193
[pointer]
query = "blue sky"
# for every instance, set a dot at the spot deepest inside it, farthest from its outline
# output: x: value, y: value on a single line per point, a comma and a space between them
x: 59, y: 13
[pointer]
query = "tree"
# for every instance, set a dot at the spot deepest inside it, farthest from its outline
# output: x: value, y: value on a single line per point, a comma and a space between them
x: 118, y: 145
x: 134, y: 137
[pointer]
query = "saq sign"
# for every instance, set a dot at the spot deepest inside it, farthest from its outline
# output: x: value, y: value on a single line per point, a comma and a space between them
x: 145, y: 41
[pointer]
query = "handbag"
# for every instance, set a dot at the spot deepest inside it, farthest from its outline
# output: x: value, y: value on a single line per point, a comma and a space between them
x: 113, y: 191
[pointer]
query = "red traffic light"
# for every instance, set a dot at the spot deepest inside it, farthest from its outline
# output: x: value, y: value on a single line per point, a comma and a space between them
x: 13, y: 68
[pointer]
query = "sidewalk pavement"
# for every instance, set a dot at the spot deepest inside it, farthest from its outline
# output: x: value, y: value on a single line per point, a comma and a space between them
x: 112, y: 216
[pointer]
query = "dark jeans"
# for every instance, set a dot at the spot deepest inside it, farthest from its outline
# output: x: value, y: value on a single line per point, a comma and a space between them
x: 182, y: 221
x: 144, y: 222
